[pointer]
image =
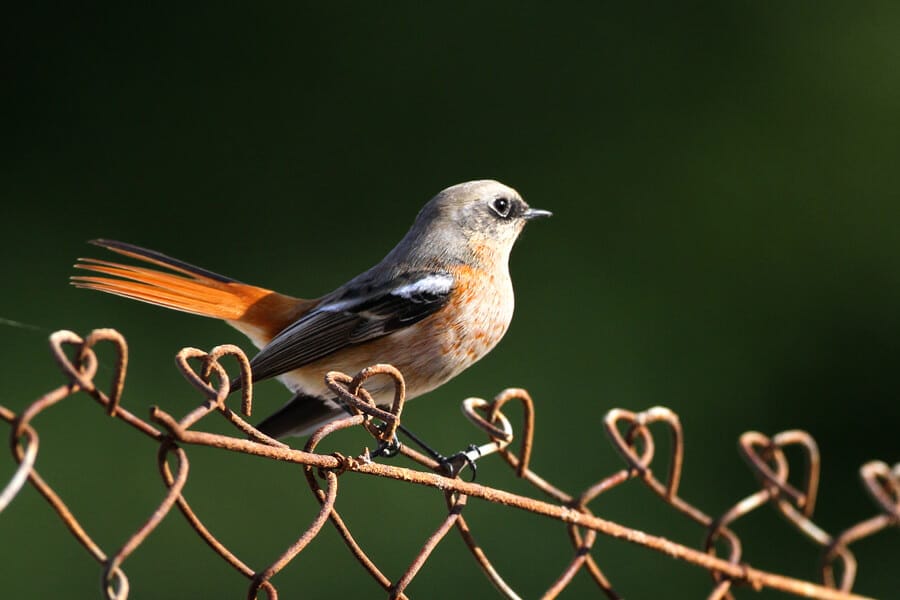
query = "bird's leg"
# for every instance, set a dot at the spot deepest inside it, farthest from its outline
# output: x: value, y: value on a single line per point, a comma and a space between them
x: 455, y: 463
x: 452, y: 464
x: 388, y: 449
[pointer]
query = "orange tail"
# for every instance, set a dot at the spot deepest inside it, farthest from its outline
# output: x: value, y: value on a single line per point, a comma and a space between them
x: 257, y: 312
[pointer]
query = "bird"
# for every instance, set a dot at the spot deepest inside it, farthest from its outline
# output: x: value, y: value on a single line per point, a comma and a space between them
x: 438, y: 302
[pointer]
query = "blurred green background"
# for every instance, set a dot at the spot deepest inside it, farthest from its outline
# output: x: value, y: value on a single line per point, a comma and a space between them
x: 726, y: 242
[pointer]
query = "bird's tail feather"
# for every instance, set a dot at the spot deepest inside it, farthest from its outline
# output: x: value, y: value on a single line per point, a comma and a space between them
x: 257, y: 312
x: 302, y: 415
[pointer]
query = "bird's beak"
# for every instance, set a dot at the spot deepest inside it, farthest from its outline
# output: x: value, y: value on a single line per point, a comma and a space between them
x: 536, y: 213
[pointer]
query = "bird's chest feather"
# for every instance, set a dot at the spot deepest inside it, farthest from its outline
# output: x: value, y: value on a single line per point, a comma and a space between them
x: 472, y: 323
x: 433, y: 350
x: 476, y: 318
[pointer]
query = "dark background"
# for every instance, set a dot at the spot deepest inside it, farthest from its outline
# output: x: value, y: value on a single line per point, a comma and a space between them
x: 725, y: 242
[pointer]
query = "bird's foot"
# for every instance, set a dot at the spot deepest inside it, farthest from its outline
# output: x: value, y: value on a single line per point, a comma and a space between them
x: 455, y: 463
x: 388, y: 449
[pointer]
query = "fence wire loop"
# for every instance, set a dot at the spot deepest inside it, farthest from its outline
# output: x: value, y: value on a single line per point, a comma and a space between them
x: 497, y: 426
x: 115, y: 584
x: 217, y: 394
x: 638, y: 424
x: 351, y: 393
x: 225, y: 350
x: 82, y: 374
x: 757, y: 448
x: 795, y: 505
x: 631, y: 435
x: 883, y: 484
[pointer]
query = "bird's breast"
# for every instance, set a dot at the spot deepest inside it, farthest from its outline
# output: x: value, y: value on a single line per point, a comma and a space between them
x: 432, y: 351
x: 468, y: 327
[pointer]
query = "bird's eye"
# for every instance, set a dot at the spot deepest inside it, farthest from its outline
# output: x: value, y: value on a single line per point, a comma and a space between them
x: 501, y: 206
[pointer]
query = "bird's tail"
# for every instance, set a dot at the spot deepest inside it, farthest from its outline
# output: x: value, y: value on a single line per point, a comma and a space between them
x: 255, y: 311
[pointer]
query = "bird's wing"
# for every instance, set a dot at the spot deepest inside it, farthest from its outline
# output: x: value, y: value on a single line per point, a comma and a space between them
x: 356, y: 315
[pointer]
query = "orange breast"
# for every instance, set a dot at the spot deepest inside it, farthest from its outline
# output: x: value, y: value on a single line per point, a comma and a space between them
x: 433, y: 350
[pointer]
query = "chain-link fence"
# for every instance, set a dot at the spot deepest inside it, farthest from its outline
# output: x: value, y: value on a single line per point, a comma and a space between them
x: 629, y: 433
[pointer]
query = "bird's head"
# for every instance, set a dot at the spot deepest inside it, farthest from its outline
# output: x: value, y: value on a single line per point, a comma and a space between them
x: 485, y: 213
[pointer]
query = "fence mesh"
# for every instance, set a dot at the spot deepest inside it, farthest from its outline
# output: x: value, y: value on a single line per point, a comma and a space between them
x: 629, y: 434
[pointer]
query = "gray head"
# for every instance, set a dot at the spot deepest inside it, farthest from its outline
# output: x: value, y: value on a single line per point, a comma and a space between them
x: 476, y: 216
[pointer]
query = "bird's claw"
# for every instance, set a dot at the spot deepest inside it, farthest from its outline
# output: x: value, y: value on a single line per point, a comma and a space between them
x: 455, y: 463
x: 451, y: 465
x: 388, y: 449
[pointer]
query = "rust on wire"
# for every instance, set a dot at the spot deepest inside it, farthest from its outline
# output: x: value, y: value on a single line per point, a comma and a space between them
x: 630, y: 433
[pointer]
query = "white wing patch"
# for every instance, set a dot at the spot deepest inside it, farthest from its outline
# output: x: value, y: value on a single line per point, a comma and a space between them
x: 439, y: 283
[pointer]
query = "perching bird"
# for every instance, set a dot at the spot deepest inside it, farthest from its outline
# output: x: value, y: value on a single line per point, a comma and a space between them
x: 438, y: 302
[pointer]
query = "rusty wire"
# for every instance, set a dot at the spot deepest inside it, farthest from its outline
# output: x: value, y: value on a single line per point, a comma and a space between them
x: 629, y: 433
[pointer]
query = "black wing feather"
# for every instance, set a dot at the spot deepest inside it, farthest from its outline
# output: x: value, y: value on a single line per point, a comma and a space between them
x: 322, y: 332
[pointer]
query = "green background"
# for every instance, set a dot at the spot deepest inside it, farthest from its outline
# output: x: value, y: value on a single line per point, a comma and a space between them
x: 726, y: 242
